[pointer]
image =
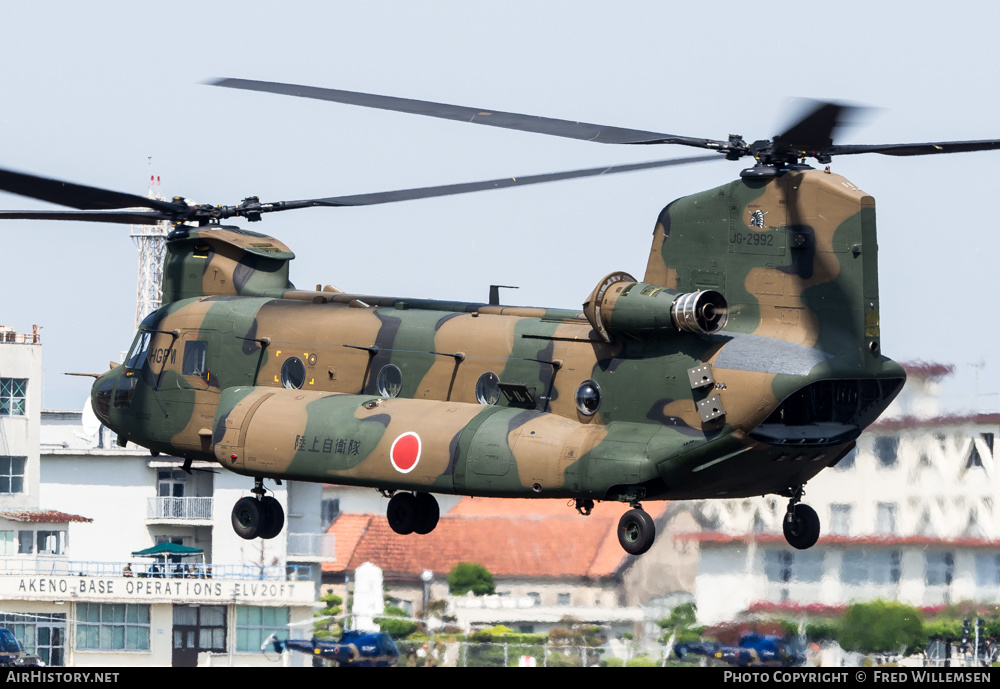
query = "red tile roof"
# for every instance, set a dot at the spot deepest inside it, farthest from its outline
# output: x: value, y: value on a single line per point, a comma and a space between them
x: 42, y: 516
x: 510, y: 537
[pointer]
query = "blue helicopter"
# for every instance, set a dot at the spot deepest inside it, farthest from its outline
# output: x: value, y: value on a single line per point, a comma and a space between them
x: 355, y: 648
x: 753, y: 650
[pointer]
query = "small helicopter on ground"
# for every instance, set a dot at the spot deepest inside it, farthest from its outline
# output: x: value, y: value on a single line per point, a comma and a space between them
x: 744, y: 362
x: 355, y: 648
x: 753, y: 650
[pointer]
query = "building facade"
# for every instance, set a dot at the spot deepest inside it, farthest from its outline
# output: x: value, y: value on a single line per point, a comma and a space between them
x: 75, y: 507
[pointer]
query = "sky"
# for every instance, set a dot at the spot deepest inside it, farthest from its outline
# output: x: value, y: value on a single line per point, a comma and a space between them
x: 109, y: 94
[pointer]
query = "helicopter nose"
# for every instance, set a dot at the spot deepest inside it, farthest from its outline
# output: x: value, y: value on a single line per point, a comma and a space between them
x: 100, y: 395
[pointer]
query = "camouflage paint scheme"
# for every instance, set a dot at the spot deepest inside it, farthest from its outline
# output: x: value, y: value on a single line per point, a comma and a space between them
x: 794, y: 377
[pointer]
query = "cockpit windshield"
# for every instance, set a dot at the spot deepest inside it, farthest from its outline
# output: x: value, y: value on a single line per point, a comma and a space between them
x: 137, y: 355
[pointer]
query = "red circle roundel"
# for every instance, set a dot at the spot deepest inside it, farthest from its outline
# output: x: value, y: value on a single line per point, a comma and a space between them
x: 405, y: 452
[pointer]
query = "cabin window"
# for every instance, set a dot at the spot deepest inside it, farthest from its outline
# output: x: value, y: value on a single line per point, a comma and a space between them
x: 195, y: 358
x: 293, y: 373
x: 488, y: 388
x: 390, y: 380
x: 588, y: 397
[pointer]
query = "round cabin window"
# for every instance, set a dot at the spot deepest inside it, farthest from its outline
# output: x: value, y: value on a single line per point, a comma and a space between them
x: 390, y: 380
x: 588, y: 397
x: 293, y: 373
x: 488, y: 388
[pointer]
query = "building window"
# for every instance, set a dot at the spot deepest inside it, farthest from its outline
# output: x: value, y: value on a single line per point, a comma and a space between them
x: 940, y: 569
x: 885, y: 518
x: 562, y: 599
x: 254, y: 624
x: 43, y: 634
x: 988, y: 572
x: 536, y: 598
x: 778, y: 566
x: 886, y: 449
x: 51, y: 542
x: 13, y: 392
x: 870, y: 568
x: 840, y: 519
x: 7, y: 543
x: 847, y: 461
x: 12, y: 474
x: 25, y: 542
x: 112, y: 627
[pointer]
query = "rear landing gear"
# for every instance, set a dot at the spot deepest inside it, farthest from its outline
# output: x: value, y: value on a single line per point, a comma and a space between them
x: 636, y: 531
x: 801, y: 523
x: 413, y: 513
x: 260, y: 516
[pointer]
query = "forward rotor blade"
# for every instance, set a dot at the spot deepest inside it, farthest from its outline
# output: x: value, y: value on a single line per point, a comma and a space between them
x: 124, y: 217
x: 922, y: 149
x: 74, y: 195
x: 468, y: 187
x: 506, y: 120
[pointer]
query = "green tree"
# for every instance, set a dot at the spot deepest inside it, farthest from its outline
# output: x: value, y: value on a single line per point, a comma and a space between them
x: 390, y: 622
x: 327, y: 626
x: 470, y: 576
x: 681, y: 624
x: 882, y: 627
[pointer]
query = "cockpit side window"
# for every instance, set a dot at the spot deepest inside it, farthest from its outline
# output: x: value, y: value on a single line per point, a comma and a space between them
x: 195, y: 355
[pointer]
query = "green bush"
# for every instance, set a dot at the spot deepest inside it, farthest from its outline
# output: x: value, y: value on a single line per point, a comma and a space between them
x: 882, y: 627
x: 641, y: 662
x: 470, y: 576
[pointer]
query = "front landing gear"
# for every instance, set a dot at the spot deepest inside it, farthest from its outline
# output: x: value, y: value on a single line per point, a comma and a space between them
x: 636, y: 531
x: 801, y: 523
x: 413, y: 513
x: 260, y: 516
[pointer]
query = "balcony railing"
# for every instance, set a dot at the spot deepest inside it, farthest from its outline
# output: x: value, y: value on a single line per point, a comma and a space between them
x: 311, y: 545
x: 179, y: 508
x: 149, y: 568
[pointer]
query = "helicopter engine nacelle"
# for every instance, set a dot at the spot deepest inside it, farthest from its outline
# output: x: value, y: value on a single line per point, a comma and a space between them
x: 620, y: 303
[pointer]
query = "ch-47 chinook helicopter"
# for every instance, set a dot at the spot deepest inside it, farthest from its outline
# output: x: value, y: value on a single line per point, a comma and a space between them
x: 746, y: 360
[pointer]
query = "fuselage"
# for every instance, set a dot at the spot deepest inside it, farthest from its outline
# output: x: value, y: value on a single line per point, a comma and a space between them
x: 478, y: 399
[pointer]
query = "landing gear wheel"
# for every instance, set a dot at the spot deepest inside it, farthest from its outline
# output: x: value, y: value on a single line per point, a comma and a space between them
x: 636, y: 531
x: 274, y: 517
x: 248, y: 517
x: 402, y: 513
x: 428, y: 513
x: 801, y: 527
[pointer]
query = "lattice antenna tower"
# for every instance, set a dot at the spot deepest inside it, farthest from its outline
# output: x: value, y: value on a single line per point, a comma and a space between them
x: 151, y: 241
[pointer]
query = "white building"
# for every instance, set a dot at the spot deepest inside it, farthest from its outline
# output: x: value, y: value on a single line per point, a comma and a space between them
x: 74, y: 507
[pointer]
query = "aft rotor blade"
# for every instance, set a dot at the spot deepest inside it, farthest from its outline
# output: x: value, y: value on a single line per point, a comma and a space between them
x: 493, y: 118
x: 468, y: 187
x: 920, y: 149
x: 815, y: 130
x: 124, y: 217
x: 74, y: 195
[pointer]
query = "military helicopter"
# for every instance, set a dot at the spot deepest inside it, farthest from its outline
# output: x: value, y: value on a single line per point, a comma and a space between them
x: 744, y: 362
